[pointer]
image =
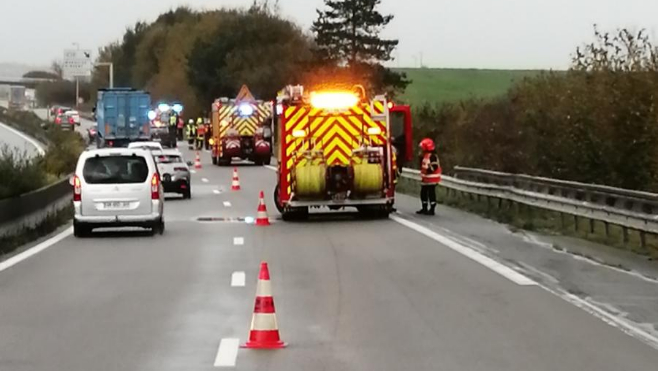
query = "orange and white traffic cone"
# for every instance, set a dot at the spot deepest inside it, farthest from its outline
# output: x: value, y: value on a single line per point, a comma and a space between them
x: 235, y: 185
x: 264, y: 333
x: 197, y: 161
x: 261, y: 217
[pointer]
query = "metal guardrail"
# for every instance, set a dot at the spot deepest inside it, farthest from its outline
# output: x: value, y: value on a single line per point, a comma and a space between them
x: 625, y: 208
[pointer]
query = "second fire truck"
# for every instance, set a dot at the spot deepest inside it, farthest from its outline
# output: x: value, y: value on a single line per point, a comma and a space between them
x: 241, y: 128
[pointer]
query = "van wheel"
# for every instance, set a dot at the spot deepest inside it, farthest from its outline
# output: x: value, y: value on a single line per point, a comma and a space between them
x: 80, y: 230
x: 187, y: 194
x: 158, y: 227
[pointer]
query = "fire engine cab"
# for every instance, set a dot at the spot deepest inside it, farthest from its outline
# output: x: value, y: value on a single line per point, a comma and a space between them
x: 339, y: 149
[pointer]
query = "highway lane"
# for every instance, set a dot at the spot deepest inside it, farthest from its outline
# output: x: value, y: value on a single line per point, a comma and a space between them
x: 350, y: 295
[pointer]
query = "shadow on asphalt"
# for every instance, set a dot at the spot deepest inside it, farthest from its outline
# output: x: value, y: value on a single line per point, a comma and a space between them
x: 120, y: 233
x: 336, y: 217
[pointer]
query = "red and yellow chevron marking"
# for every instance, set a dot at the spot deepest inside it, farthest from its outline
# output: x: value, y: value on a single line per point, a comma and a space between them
x: 246, y: 126
x: 335, y: 134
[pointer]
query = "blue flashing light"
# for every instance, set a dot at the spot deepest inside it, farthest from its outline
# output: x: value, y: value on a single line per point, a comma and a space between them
x: 163, y: 107
x: 152, y: 115
x: 246, y: 110
x: 178, y: 108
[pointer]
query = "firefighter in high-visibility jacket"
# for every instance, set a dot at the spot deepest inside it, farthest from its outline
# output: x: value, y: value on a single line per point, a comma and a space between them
x: 173, y: 123
x: 190, y: 133
x: 430, y: 173
x: 200, y: 133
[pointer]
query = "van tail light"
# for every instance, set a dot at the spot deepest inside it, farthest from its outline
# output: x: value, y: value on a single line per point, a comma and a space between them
x: 77, y: 189
x: 71, y: 121
x: 155, y: 187
x: 58, y: 120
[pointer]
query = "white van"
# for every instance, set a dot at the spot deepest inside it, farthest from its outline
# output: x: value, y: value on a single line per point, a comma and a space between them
x: 117, y: 187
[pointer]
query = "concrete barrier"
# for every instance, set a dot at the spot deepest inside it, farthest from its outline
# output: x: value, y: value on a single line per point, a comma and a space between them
x: 30, y: 209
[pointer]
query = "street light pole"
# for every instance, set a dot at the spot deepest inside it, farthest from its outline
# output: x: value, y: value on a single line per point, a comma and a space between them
x: 111, y: 65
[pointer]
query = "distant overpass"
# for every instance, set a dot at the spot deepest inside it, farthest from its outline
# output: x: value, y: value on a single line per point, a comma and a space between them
x: 27, y: 82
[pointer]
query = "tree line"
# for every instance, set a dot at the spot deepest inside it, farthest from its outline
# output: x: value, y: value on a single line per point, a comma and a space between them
x: 197, y: 56
x: 595, y: 123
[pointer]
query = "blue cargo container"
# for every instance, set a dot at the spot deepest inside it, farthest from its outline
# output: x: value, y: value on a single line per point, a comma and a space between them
x: 122, y: 117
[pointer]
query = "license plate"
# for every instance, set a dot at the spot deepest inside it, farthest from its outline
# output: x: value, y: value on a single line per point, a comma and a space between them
x: 116, y: 205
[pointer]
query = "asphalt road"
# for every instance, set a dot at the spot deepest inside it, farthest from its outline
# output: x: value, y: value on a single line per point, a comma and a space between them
x: 17, y: 141
x: 350, y: 295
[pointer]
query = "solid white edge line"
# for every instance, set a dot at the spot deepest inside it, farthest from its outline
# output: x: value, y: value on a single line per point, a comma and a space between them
x: 238, y: 279
x: 227, y: 354
x: 25, y: 137
x: 35, y: 250
x: 273, y: 168
x: 495, y: 266
x: 227, y: 204
x: 238, y: 240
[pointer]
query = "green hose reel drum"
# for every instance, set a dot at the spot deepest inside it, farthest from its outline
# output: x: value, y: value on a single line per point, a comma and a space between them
x: 310, y: 180
x: 368, y: 179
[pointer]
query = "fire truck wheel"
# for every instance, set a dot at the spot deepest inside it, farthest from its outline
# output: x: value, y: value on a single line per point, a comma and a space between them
x: 277, y: 202
x: 214, y: 160
x: 267, y: 160
x: 223, y: 162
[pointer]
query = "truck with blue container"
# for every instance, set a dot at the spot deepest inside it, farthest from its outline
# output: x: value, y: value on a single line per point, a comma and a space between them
x: 122, y: 116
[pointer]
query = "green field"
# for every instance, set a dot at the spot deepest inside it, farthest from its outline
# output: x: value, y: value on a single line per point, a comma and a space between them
x: 437, y: 85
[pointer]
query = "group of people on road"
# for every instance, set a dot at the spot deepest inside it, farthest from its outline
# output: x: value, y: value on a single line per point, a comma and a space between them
x: 198, y: 133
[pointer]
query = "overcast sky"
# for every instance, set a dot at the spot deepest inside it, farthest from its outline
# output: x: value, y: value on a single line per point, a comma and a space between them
x: 448, y: 33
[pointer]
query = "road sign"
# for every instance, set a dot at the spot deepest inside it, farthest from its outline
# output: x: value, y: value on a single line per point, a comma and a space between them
x: 77, y: 62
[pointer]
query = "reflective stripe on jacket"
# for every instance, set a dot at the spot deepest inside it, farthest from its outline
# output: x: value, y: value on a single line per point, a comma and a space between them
x: 430, y: 169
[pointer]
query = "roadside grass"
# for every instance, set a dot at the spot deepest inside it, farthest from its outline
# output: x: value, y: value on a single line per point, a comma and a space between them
x: 522, y: 217
x: 439, y: 85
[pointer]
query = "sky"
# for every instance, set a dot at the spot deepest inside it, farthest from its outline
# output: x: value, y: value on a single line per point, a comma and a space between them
x: 497, y: 34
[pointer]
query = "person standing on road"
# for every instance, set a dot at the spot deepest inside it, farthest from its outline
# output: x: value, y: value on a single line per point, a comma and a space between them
x: 191, y: 133
x: 430, y: 172
x: 173, y: 123
x: 200, y: 133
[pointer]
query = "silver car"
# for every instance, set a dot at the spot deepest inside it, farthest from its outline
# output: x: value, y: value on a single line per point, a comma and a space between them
x: 175, y: 172
x: 117, y: 187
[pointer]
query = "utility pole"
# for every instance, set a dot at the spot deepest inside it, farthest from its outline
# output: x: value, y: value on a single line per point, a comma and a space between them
x: 111, y: 65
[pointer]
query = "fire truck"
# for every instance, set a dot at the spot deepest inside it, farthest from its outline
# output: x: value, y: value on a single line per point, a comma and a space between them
x: 241, y: 128
x: 339, y: 149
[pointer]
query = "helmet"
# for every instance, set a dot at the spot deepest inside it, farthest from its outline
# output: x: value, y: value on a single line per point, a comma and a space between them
x: 190, y: 121
x: 427, y: 145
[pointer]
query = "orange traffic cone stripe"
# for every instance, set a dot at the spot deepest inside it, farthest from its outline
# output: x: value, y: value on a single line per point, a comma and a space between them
x: 197, y: 161
x: 264, y: 333
x: 235, y: 184
x: 261, y: 217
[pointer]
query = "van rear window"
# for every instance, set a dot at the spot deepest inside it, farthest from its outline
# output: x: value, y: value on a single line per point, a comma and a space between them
x: 115, y: 170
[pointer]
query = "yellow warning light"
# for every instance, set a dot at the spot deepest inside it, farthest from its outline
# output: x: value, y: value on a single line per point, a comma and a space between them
x: 390, y: 105
x: 211, y: 141
x: 333, y: 100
